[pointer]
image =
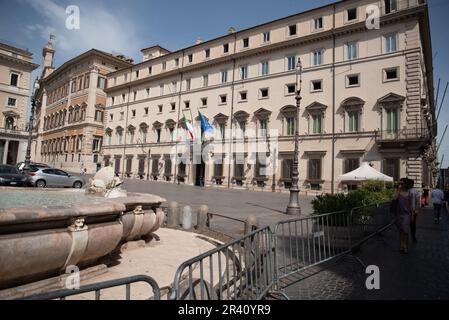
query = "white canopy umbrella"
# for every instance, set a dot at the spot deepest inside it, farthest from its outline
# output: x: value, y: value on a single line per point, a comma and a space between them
x: 364, y: 173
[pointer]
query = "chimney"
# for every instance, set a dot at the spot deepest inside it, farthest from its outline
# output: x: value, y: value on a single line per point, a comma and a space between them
x: 231, y: 30
x: 198, y: 40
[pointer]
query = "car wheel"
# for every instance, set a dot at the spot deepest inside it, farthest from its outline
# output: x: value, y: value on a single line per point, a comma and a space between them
x: 77, y: 184
x: 40, y: 184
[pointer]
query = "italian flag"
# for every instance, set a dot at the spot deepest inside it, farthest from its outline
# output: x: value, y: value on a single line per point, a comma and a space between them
x: 189, y: 127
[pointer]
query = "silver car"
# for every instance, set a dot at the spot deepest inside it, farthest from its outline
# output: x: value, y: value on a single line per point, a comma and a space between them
x: 51, y: 177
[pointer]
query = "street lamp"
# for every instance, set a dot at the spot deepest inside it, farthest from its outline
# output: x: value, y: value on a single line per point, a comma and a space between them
x: 293, y: 207
x: 34, y: 102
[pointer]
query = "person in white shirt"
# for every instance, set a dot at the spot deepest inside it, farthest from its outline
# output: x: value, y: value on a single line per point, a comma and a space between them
x: 437, y: 197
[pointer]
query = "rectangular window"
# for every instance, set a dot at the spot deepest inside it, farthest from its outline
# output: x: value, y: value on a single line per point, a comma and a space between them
x: 317, y: 57
x: 391, y: 74
x: 137, y: 74
x: 290, y: 122
x: 187, y: 104
x: 111, y: 117
x: 242, y: 126
x: 14, y: 81
x: 266, y: 37
x: 222, y: 130
x: 204, y: 102
x: 146, y: 110
x: 161, y: 89
x: 188, y: 83
x: 390, y: 43
x: 150, y: 70
x: 351, y: 51
x: 265, y: 68
x: 158, y: 135
x: 173, y: 106
x: 205, y: 80
x: 244, y: 72
x: 264, y: 93
x: 317, y: 123
x: 291, y: 63
x: 73, y: 89
x: 317, y: 85
x: 122, y: 115
x: 226, y: 48
x: 351, y: 14
x: 171, y: 135
x: 391, y: 6
x: 351, y: 164
x: 177, y: 62
x: 164, y: 66
x: 291, y: 88
x: 315, y: 169
x: 287, y: 168
x: 80, y: 83
x: 243, y: 96
x: 190, y: 58
x: 86, y: 81
x: 135, y: 95
x: 392, y: 120
x: 101, y: 83
x: 98, y: 115
x: 292, y: 30
x: 148, y: 92
x: 245, y: 43
x: 354, y: 121
x: 207, y: 53
x: 352, y: 80
x: 12, y: 102
x: 160, y: 108
x: 224, y: 76
x: 223, y: 98
x: 96, y: 144
x: 318, y: 23
x: 263, y: 128
x: 133, y: 113
x: 174, y: 86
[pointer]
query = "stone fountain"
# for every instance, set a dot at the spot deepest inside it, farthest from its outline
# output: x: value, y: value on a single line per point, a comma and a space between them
x: 41, y: 242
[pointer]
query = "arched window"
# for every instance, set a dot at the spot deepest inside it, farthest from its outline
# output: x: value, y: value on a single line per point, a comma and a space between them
x: 9, y: 123
x: 353, y: 108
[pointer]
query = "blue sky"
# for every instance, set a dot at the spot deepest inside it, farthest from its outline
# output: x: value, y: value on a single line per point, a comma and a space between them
x: 128, y: 26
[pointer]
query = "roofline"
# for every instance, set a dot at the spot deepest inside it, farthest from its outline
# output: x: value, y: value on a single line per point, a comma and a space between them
x: 31, y: 65
x: 92, y: 51
x: 23, y: 51
x: 240, y: 32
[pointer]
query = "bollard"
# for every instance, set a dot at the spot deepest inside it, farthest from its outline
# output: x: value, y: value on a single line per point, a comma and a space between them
x: 250, y: 222
x: 187, y: 218
x: 202, y: 218
x: 173, y: 215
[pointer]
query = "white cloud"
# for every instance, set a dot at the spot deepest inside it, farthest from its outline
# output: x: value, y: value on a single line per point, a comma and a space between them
x: 99, y: 29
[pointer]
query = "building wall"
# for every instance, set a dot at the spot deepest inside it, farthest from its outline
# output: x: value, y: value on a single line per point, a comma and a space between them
x: 135, y: 89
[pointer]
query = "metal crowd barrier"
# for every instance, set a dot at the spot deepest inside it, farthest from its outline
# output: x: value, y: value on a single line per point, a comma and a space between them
x: 250, y: 267
x: 243, y: 269
x: 306, y: 242
x: 97, y: 287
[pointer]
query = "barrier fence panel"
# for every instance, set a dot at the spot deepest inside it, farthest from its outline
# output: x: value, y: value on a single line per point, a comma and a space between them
x: 369, y: 220
x: 306, y: 242
x: 243, y: 269
x: 97, y: 287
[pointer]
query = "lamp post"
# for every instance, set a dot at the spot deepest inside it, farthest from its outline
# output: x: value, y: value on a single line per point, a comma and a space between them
x: 34, y: 102
x: 293, y: 207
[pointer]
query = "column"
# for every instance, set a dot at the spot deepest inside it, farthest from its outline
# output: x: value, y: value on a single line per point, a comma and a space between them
x: 5, y: 152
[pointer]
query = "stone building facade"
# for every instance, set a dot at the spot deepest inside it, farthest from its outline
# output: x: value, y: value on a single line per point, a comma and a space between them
x: 70, y: 115
x: 16, y: 65
x: 367, y: 96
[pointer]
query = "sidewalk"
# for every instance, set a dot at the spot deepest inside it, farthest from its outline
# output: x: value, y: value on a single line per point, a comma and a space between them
x: 422, y: 274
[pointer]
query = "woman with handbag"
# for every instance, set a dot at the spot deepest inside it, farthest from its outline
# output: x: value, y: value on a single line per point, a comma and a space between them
x: 403, y: 203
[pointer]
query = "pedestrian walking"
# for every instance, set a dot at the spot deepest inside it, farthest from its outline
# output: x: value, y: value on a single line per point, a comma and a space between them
x: 425, y: 197
x: 404, y: 200
x: 437, y: 197
x: 415, y: 207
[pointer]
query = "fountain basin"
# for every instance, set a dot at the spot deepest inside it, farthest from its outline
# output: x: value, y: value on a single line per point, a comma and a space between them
x: 37, y: 242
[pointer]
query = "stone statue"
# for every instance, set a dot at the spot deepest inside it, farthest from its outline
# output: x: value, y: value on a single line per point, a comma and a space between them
x: 106, y: 184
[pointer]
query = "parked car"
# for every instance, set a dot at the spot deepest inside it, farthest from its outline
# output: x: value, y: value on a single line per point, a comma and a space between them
x: 10, y: 176
x: 50, y: 177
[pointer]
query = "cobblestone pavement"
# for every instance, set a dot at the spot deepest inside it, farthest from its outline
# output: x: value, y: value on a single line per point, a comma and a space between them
x: 422, y: 274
